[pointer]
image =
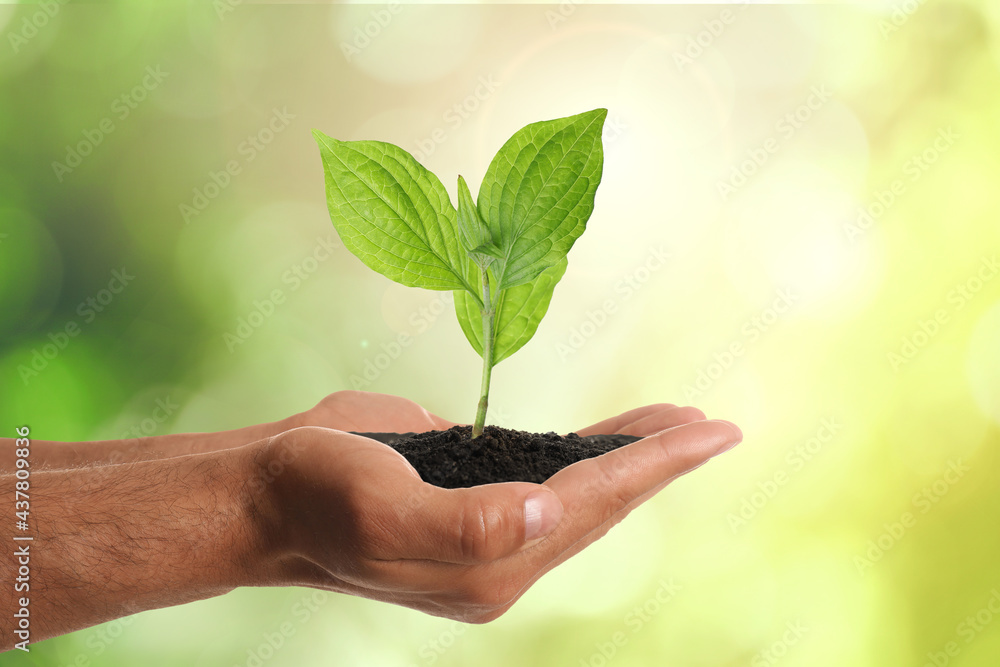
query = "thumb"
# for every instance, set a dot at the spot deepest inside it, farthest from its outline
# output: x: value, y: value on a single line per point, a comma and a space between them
x: 481, y: 523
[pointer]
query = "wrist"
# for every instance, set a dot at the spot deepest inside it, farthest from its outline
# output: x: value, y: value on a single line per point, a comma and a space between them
x: 251, y: 435
x: 261, y: 546
x: 278, y: 498
x: 235, y: 518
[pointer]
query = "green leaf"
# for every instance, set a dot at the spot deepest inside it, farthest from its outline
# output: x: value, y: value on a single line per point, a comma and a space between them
x: 471, y: 228
x: 538, y: 193
x: 472, y: 231
x: 392, y: 213
x: 488, y: 249
x: 518, y: 312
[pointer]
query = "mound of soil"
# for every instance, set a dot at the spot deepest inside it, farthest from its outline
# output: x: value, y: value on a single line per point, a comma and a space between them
x: 452, y: 459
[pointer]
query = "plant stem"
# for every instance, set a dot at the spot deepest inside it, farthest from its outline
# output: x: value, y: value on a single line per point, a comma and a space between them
x: 484, y: 393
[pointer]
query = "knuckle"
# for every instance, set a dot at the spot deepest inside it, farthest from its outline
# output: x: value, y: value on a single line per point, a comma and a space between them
x: 481, y: 531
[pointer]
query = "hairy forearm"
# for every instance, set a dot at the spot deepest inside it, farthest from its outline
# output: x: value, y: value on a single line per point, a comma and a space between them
x: 50, y: 455
x: 125, y: 538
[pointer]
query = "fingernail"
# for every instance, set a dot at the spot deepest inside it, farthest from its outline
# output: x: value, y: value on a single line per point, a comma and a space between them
x: 542, y: 512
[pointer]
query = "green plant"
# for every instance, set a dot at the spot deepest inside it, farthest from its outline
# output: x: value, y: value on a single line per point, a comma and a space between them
x: 502, y: 254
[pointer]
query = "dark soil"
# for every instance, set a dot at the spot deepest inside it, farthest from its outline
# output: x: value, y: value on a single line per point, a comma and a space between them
x: 452, y: 459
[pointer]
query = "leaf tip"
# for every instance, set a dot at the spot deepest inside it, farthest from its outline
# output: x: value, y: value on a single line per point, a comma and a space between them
x: 600, y: 114
x: 322, y: 138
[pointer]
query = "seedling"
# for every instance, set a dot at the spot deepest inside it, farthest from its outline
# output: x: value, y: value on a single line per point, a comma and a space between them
x: 502, y: 254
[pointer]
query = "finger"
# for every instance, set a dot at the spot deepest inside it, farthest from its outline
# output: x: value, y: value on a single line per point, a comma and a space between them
x: 485, y: 523
x: 662, y: 420
x: 373, y: 412
x: 603, y: 529
x: 598, y: 494
x: 601, y: 492
x: 615, y: 488
x: 594, y: 490
x: 468, y: 526
x: 612, y: 425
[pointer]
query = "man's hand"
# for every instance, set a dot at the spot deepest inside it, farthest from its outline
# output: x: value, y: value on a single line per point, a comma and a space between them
x: 349, y: 514
x: 343, y: 410
x: 320, y: 507
x: 358, y: 411
x: 366, y: 412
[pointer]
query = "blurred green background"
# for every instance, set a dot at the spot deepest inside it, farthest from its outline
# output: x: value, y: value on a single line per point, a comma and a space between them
x: 821, y: 179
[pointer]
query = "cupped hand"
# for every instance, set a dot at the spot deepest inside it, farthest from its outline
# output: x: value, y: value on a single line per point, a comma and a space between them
x: 351, y: 515
x: 368, y: 412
